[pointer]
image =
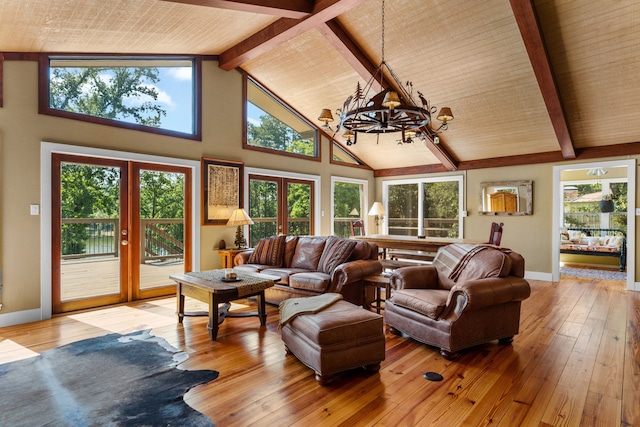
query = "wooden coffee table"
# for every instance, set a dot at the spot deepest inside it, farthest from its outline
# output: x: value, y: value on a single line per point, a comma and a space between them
x: 208, y: 287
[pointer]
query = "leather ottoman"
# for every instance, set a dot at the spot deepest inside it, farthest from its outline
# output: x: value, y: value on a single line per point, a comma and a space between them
x: 342, y: 336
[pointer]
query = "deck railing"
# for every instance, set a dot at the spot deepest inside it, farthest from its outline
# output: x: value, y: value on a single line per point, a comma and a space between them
x: 161, y: 238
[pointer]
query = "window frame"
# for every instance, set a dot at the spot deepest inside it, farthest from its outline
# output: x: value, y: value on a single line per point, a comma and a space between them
x: 420, y: 182
x: 44, y: 90
x: 245, y: 140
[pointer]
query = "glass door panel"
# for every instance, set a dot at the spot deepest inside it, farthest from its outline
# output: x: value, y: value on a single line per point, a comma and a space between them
x: 263, y: 207
x: 90, y: 228
x: 299, y: 208
x: 441, y: 209
x: 160, y: 229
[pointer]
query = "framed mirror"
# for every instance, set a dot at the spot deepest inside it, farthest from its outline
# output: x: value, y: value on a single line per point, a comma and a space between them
x: 507, y: 198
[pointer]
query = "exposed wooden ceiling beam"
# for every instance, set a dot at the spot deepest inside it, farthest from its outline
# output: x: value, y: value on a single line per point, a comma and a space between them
x: 295, y: 9
x: 527, y: 20
x: 281, y: 31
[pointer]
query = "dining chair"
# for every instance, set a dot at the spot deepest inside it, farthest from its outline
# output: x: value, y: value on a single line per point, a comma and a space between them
x: 358, y: 224
x: 496, y: 233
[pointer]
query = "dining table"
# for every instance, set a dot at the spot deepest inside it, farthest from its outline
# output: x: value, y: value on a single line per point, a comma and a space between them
x: 413, y: 243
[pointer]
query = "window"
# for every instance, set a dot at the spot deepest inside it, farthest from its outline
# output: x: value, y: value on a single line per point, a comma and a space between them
x: 272, y: 126
x: 348, y: 204
x: 150, y: 94
x: 340, y: 156
x: 426, y: 207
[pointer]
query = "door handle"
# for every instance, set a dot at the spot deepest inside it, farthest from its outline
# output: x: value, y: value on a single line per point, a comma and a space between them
x: 124, y: 242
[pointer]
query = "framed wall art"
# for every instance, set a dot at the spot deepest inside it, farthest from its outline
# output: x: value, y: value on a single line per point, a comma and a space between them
x: 222, y: 184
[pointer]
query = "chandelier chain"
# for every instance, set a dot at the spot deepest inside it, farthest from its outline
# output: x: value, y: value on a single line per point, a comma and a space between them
x: 382, y: 59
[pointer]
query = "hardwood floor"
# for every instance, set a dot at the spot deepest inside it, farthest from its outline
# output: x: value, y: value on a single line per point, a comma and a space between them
x: 574, y: 363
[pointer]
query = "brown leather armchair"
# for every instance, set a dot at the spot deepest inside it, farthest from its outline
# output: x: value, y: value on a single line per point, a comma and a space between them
x: 480, y: 305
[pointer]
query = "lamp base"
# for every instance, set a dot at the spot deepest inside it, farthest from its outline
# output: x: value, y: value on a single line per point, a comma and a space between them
x: 240, y: 241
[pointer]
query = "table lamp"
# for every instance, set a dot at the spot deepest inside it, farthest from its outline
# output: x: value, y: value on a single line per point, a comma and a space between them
x: 377, y: 211
x: 239, y: 218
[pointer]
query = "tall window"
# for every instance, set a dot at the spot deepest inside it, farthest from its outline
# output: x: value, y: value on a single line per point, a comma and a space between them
x: 349, y: 203
x: 425, y: 207
x: 273, y: 126
x: 144, y: 93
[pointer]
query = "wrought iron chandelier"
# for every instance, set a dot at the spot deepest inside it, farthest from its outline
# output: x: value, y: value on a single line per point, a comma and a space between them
x: 391, y: 110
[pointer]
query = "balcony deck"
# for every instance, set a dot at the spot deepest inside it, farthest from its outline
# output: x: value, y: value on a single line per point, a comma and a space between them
x: 100, y: 276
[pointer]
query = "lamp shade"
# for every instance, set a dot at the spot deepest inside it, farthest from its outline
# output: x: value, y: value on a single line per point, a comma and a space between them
x: 377, y: 209
x: 325, y: 116
x: 239, y: 217
x: 445, y: 114
x: 391, y: 100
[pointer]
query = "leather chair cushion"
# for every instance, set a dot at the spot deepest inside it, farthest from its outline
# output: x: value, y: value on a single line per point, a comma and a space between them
x: 311, y: 281
x: 486, y: 263
x: 428, y: 302
x: 308, y: 253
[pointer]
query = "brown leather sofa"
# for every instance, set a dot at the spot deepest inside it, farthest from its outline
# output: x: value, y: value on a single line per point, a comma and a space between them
x: 480, y: 305
x: 312, y: 265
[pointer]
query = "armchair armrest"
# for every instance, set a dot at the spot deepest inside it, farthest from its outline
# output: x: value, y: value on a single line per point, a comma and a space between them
x: 242, y: 257
x: 353, y: 271
x: 415, y: 277
x: 474, y: 294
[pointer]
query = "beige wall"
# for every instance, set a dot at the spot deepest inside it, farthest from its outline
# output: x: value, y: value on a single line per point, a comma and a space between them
x: 22, y: 129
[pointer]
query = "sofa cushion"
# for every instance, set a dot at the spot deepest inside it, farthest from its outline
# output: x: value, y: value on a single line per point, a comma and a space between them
x: 428, y: 302
x: 308, y: 253
x: 310, y: 281
x: 362, y: 250
x: 282, y: 272
x: 268, y: 251
x: 336, y: 251
x: 289, y: 250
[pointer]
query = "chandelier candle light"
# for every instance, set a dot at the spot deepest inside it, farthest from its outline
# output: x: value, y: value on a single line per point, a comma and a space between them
x: 391, y: 110
x: 239, y: 218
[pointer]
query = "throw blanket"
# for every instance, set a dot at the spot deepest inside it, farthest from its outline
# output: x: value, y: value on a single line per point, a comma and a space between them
x: 292, y: 307
x: 452, y: 259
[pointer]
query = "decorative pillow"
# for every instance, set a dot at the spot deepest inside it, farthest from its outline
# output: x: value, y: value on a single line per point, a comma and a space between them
x: 592, y: 241
x: 615, y: 242
x: 575, y: 236
x: 269, y: 251
x: 336, y: 252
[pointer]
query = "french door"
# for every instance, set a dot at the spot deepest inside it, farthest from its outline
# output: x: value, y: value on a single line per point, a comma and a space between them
x: 119, y: 229
x: 280, y: 205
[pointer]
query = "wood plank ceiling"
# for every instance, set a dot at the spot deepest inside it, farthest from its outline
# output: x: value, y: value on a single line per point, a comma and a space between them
x: 528, y: 81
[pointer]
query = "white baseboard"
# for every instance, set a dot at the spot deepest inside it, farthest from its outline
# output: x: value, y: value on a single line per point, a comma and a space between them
x: 20, y: 317
x: 536, y: 275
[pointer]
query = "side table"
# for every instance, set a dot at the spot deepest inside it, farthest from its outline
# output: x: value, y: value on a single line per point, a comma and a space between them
x: 227, y: 256
x: 379, y: 281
